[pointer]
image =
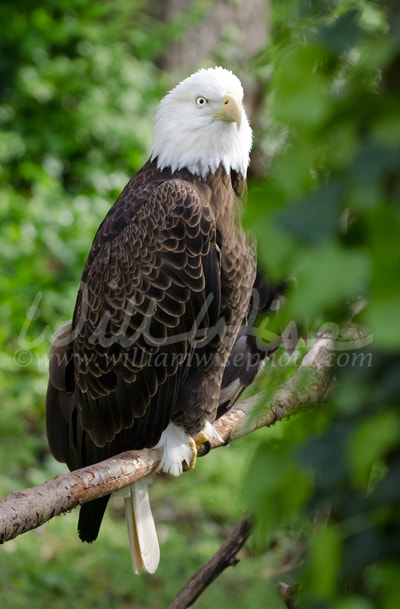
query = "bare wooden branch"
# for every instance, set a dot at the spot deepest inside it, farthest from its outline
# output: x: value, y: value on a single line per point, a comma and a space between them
x: 288, y: 594
x: 24, y: 510
x: 225, y: 557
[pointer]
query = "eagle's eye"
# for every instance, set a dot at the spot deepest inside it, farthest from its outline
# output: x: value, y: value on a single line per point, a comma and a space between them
x: 201, y: 101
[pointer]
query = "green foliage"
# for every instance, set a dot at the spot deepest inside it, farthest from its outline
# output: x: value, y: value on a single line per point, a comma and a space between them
x: 329, y: 213
x: 324, y: 559
x: 329, y: 181
x: 372, y: 440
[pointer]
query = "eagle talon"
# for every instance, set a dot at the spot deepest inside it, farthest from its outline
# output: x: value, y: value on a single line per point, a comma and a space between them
x: 207, y: 447
x: 203, y: 442
x: 193, y: 447
x: 202, y: 438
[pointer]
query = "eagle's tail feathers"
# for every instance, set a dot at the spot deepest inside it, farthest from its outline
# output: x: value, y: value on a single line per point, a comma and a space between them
x: 143, y: 541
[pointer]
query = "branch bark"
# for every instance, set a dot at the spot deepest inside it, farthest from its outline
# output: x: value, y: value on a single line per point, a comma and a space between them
x: 225, y: 557
x: 24, y: 510
x: 309, y: 385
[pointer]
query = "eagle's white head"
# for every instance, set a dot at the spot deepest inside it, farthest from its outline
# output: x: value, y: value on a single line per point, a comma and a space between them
x: 201, y: 123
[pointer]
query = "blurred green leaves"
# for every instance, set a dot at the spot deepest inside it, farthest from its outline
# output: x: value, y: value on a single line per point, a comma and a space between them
x: 298, y: 90
x: 328, y: 213
x: 336, y: 180
x: 339, y: 275
x: 324, y: 560
x: 372, y: 440
x: 272, y: 474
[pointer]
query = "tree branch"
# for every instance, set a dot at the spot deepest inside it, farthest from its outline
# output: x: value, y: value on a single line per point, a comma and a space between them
x: 24, y: 510
x: 309, y: 385
x: 225, y: 557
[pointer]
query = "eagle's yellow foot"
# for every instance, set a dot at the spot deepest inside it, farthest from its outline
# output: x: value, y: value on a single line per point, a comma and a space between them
x: 207, y: 438
x: 201, y: 438
x: 203, y: 441
x: 193, y: 447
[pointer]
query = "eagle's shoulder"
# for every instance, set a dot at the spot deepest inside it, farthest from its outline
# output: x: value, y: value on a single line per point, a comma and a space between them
x: 153, y: 201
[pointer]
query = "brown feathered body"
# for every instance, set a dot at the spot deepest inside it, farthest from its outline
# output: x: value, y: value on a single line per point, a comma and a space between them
x: 163, y: 294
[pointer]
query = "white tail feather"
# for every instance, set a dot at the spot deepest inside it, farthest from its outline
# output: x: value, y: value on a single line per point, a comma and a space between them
x: 143, y: 541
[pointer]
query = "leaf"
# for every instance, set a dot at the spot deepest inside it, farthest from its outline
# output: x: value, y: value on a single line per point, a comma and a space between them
x: 315, y: 218
x: 371, y: 441
x: 299, y: 96
x: 275, y: 487
x: 321, y: 577
x: 374, y: 161
x: 327, y: 276
x: 383, y: 319
x: 353, y: 602
x: 343, y: 33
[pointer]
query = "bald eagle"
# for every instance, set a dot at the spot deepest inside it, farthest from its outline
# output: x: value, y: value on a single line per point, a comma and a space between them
x: 164, y: 292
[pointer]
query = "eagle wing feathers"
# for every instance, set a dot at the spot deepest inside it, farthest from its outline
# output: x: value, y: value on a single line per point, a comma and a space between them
x: 143, y: 295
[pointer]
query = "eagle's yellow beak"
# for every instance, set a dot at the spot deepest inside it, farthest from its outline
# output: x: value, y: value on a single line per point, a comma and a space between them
x: 230, y: 111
